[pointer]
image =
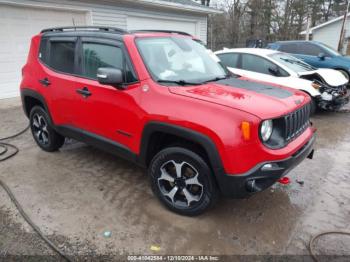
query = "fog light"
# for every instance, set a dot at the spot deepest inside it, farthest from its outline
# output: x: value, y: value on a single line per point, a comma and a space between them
x: 267, y: 167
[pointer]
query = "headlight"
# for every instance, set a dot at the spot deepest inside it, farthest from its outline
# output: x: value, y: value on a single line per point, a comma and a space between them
x: 266, y: 130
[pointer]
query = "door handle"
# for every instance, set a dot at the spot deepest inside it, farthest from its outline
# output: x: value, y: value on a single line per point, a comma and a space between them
x: 84, y: 92
x: 45, y: 82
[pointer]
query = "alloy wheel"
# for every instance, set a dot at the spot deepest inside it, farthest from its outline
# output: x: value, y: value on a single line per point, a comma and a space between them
x: 179, y: 184
x: 40, y: 130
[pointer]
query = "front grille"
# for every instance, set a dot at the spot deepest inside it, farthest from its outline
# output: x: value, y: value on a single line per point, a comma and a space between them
x: 296, y: 122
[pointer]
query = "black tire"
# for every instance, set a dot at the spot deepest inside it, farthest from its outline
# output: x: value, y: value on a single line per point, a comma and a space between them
x: 203, y: 194
x: 43, y: 133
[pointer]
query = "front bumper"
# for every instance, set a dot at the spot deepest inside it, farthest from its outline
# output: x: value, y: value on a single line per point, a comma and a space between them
x: 335, y: 103
x: 263, y: 175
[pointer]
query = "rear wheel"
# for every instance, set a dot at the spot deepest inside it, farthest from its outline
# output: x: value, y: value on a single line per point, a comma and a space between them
x: 44, y: 134
x: 182, y: 181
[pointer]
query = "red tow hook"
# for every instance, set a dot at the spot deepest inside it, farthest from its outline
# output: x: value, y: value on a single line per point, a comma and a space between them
x: 284, y: 180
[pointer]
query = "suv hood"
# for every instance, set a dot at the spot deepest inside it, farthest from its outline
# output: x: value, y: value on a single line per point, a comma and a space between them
x: 260, y: 99
x: 330, y: 76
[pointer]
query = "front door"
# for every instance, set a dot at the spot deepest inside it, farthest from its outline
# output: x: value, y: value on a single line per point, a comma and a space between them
x: 109, y: 112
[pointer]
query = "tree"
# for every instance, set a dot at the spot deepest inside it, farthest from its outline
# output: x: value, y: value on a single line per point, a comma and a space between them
x: 269, y: 20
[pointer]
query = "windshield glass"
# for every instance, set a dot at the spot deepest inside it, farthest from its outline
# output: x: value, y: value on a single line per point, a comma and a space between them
x: 330, y: 50
x: 291, y: 62
x: 179, y: 59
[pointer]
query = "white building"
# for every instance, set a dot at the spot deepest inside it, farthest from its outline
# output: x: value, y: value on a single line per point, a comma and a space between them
x: 21, y: 19
x: 329, y: 33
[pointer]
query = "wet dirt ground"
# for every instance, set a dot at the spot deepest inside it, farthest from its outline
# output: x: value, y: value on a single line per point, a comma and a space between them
x: 76, y: 194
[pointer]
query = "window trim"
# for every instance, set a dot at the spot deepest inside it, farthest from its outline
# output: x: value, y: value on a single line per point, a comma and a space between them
x: 78, y: 54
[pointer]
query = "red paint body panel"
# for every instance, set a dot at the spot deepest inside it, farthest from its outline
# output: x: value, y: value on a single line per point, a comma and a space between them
x: 211, y: 109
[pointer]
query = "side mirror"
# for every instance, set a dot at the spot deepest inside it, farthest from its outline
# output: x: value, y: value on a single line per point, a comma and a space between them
x: 274, y: 71
x: 321, y: 56
x: 110, y: 76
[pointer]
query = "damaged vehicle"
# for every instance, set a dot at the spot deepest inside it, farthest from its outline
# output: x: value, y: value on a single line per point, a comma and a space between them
x: 326, y: 87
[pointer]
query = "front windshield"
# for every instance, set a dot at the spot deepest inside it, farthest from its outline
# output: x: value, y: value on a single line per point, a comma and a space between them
x: 330, y: 50
x: 179, y: 59
x: 291, y: 62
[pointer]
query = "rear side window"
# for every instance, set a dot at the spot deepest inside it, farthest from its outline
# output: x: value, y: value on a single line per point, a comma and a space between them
x: 229, y: 59
x: 62, y: 56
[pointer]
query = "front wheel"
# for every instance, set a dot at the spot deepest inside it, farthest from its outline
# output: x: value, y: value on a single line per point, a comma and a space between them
x: 182, y: 181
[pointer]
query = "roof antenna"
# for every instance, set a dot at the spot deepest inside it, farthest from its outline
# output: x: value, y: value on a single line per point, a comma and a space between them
x: 75, y: 28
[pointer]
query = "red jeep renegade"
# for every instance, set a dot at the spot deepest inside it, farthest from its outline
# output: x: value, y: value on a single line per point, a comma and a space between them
x: 160, y: 100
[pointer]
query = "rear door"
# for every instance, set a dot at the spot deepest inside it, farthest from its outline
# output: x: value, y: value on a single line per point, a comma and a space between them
x: 56, y: 78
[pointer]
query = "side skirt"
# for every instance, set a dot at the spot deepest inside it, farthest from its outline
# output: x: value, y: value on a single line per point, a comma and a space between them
x: 100, y: 142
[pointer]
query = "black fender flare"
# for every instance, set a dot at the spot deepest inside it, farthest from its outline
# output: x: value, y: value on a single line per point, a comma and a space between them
x: 186, y: 133
x: 26, y: 92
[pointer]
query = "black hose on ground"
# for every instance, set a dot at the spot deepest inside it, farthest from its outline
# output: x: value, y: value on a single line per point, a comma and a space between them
x: 4, y: 148
x: 311, y: 248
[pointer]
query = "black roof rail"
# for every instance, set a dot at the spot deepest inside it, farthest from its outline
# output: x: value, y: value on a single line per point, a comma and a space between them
x: 73, y: 28
x: 160, y: 31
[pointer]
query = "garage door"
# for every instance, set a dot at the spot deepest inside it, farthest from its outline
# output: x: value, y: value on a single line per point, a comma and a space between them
x: 137, y: 23
x: 17, y: 25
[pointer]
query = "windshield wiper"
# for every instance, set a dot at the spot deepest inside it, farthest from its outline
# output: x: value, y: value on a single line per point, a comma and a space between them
x: 178, y: 82
x: 297, y: 62
x: 218, y: 78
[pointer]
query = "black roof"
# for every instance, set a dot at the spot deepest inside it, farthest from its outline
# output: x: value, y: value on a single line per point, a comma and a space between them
x: 85, y: 28
x: 105, y: 29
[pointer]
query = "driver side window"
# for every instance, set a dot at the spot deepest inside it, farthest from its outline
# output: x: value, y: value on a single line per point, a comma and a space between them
x: 96, y: 55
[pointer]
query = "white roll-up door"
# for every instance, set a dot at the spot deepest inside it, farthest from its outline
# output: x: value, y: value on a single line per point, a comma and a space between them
x: 17, y: 25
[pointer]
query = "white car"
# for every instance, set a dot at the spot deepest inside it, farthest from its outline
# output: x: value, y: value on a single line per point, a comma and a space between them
x: 327, y: 87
